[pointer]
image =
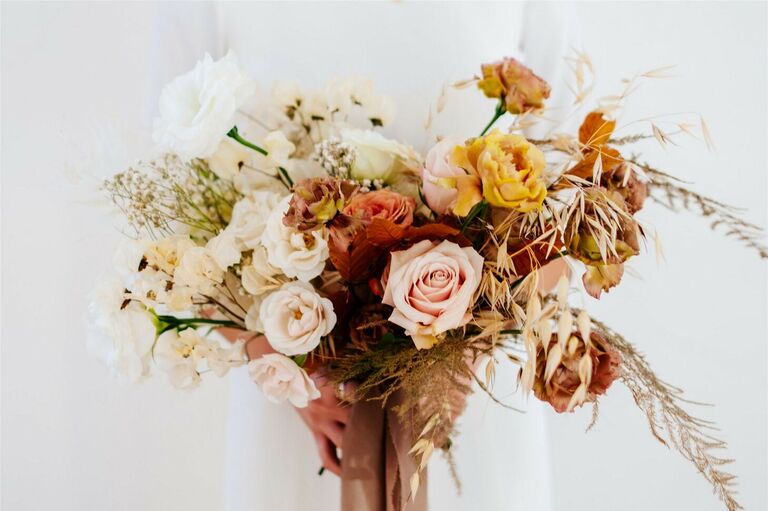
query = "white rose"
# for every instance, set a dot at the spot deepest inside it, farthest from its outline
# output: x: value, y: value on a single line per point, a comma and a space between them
x: 121, y: 336
x: 198, y: 108
x: 199, y: 271
x: 250, y: 216
x: 376, y: 157
x: 297, y: 254
x: 295, y: 317
x: 281, y: 379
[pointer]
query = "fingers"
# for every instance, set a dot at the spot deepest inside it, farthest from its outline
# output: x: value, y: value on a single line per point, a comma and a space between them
x: 322, y: 411
x: 334, y: 431
x: 327, y: 452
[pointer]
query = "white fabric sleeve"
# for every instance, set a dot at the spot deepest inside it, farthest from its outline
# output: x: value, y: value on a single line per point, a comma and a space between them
x: 551, y: 32
x: 182, y: 33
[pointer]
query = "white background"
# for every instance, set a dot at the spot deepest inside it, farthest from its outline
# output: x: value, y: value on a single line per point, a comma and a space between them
x: 74, y: 82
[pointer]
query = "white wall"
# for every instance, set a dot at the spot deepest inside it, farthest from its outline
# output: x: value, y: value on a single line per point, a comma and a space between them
x: 74, y: 439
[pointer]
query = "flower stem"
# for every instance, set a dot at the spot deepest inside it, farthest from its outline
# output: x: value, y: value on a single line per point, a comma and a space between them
x: 173, y: 321
x: 235, y: 134
x: 501, y: 109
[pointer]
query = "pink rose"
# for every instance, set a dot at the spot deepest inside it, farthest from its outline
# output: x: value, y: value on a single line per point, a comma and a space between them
x: 363, y: 208
x: 431, y: 286
x: 440, y: 196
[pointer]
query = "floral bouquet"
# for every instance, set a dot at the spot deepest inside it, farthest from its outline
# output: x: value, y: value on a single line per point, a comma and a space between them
x: 288, y: 216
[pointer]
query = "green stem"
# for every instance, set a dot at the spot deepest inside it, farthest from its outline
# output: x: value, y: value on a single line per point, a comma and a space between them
x: 173, y: 321
x: 235, y: 134
x: 473, y: 213
x: 501, y: 109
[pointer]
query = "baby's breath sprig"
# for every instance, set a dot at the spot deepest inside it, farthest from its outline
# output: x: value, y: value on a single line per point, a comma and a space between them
x: 158, y: 195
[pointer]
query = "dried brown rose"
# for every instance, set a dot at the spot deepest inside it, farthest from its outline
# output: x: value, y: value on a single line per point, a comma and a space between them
x: 521, y: 89
x: 316, y: 201
x: 576, y: 374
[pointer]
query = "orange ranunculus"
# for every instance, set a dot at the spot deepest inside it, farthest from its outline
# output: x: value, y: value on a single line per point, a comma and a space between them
x: 521, y: 89
x: 505, y: 170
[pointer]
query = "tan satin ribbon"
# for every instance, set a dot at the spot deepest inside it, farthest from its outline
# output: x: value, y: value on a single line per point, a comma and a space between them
x: 376, y: 468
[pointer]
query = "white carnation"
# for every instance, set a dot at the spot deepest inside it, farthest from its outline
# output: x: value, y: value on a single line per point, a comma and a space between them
x: 297, y: 254
x: 295, y: 318
x: 281, y: 379
x: 120, y: 335
x: 198, y: 108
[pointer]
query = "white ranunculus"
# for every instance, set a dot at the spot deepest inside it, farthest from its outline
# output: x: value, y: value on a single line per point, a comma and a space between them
x: 281, y: 379
x: 377, y: 157
x: 198, y: 108
x: 250, y: 216
x: 295, y: 318
x: 119, y: 335
x: 297, y: 254
x: 259, y: 276
x: 199, y: 271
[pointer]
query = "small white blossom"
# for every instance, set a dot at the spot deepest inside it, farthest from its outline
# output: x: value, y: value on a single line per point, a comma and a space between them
x: 199, y: 271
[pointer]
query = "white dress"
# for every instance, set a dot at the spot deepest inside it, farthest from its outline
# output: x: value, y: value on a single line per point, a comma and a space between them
x: 410, y: 50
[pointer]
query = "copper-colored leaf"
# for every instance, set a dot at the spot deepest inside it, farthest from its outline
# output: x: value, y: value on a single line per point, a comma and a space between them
x: 596, y: 130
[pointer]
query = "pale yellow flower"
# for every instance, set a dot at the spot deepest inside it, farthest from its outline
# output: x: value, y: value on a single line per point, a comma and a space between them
x: 504, y: 169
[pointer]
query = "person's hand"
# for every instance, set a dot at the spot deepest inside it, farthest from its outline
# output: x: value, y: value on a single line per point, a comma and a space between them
x: 326, y: 419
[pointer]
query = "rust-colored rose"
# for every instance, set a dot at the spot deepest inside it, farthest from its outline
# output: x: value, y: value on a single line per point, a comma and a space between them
x: 577, y: 373
x: 521, y: 89
x: 364, y: 207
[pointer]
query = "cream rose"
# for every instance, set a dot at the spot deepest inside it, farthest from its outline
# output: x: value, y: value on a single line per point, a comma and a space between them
x: 431, y: 286
x: 297, y: 254
x: 198, y: 108
x: 295, y: 317
x: 281, y: 379
x: 376, y: 157
x: 440, y: 195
